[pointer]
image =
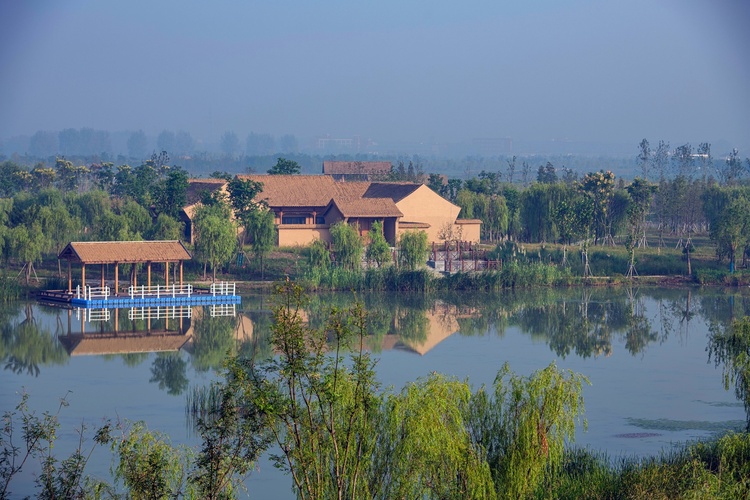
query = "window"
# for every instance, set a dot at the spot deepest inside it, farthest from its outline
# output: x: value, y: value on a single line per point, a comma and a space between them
x: 293, y: 219
x: 320, y: 219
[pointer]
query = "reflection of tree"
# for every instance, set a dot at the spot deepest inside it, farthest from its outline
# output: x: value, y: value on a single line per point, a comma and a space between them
x: 26, y: 346
x: 213, y: 338
x: 732, y: 349
x: 133, y: 359
x: 169, y: 370
x: 639, y: 332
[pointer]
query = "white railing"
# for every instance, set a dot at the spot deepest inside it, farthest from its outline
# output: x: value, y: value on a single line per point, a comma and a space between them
x: 223, y: 288
x: 217, y: 310
x: 92, y: 315
x: 92, y: 292
x: 169, y: 312
x: 159, y: 291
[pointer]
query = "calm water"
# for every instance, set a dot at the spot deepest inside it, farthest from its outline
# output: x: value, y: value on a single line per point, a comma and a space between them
x: 643, y: 350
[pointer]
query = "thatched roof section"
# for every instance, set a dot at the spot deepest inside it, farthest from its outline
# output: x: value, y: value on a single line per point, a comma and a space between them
x: 98, y: 344
x: 124, y: 252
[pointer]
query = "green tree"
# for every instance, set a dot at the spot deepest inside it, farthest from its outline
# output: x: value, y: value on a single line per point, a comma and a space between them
x: 322, y: 409
x: 378, y: 250
x: 347, y: 245
x: 285, y: 167
x: 412, y: 249
x: 599, y: 186
x: 216, y: 237
x: 429, y: 451
x: 731, y: 348
x: 732, y: 229
x: 165, y: 228
x: 524, y: 424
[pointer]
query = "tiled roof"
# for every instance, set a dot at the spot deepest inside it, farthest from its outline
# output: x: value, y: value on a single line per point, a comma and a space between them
x: 295, y: 190
x: 367, y: 207
x: 354, y: 199
x: 197, y: 186
x: 356, y: 167
x: 110, y: 252
x: 396, y: 191
x: 405, y: 224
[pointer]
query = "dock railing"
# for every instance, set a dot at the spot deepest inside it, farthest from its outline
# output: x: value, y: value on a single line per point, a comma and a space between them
x: 159, y: 291
x: 92, y: 292
x: 223, y: 288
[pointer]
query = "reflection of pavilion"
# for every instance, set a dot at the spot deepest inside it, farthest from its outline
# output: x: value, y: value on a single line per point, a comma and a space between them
x: 141, y: 330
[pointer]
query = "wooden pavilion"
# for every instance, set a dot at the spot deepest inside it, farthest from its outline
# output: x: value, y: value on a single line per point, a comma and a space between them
x: 124, y: 252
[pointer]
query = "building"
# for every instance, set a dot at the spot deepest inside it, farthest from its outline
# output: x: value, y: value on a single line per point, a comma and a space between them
x: 305, y: 207
x: 357, y: 170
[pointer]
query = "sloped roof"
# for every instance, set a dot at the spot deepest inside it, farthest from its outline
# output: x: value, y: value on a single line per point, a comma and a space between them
x: 396, y: 191
x: 196, y: 187
x: 124, y: 252
x: 367, y: 207
x: 353, y: 199
x: 356, y: 167
x: 295, y: 190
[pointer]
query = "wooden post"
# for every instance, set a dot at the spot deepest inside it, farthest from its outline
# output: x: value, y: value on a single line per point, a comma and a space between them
x: 148, y: 274
x: 166, y: 274
x: 83, y: 275
x: 117, y: 278
x: 102, y: 277
x: 180, y: 272
x: 134, y: 274
x: 70, y: 279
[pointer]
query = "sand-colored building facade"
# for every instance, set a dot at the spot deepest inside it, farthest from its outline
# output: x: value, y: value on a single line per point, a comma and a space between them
x: 306, y: 206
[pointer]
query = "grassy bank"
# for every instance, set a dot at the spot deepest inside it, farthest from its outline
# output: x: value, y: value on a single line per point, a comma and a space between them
x: 717, y: 468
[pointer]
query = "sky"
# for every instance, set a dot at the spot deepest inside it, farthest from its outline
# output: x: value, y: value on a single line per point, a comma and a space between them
x: 391, y: 70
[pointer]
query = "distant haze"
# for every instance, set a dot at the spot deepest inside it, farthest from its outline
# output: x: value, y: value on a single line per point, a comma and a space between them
x: 387, y: 71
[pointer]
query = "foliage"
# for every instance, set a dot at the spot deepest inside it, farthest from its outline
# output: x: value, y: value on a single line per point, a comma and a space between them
x: 148, y: 465
x: 524, y: 424
x: 262, y: 233
x: 348, y: 245
x: 424, y: 445
x: 378, y: 250
x: 58, y: 478
x: 285, y: 167
x: 216, y: 241
x: 322, y: 409
x: 412, y: 250
x: 731, y: 348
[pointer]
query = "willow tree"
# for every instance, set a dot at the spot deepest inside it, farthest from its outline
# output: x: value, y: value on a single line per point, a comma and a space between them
x: 413, y: 248
x: 348, y: 245
x: 378, y: 250
x: 321, y: 407
x: 523, y: 425
x: 731, y: 348
x: 424, y: 445
x: 216, y: 241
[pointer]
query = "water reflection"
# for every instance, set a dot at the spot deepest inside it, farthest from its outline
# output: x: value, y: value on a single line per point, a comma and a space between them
x: 576, y: 322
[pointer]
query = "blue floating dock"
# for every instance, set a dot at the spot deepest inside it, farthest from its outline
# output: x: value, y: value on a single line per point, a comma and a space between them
x: 119, y: 302
x: 144, y: 296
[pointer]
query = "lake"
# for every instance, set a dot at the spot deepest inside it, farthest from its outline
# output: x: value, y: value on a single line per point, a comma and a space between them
x: 644, y: 351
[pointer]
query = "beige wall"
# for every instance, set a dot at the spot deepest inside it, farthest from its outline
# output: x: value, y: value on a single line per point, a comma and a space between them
x: 291, y: 235
x: 425, y: 205
x: 469, y: 231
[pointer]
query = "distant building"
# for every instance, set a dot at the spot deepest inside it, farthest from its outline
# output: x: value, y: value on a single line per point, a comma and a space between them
x: 357, y: 170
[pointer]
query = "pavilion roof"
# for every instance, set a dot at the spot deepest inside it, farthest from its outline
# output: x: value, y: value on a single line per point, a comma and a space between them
x: 124, y: 252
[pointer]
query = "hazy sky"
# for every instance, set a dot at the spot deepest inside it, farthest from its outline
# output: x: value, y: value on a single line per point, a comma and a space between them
x: 427, y: 70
